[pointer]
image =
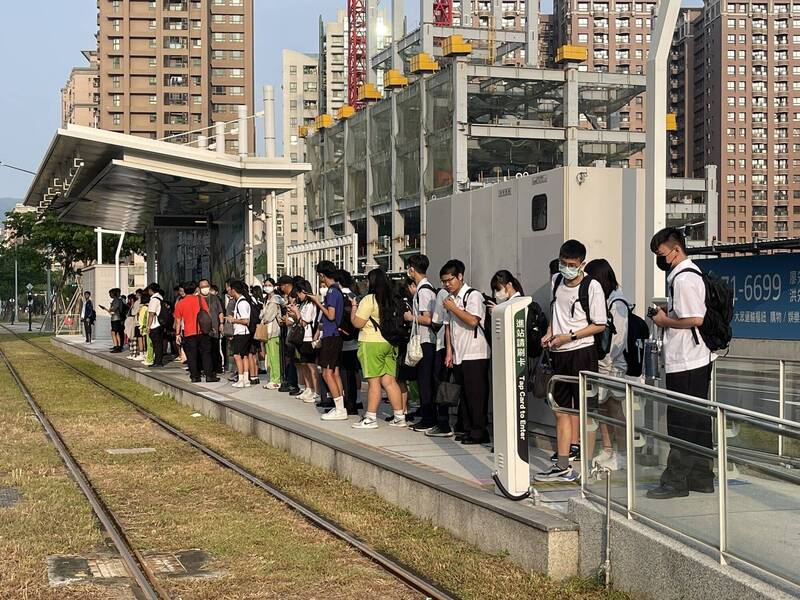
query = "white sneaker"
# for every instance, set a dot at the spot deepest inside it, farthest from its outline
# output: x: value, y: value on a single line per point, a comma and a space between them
x: 146, y: 364
x: 605, y: 454
x: 398, y: 422
x: 241, y: 382
x: 312, y: 398
x: 613, y: 462
x: 272, y: 386
x: 304, y: 394
x: 335, y: 414
x: 365, y: 423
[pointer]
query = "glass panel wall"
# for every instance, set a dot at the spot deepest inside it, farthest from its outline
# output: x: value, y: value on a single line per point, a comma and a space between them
x: 356, y: 155
x: 439, y: 136
x: 409, y: 107
x: 380, y: 140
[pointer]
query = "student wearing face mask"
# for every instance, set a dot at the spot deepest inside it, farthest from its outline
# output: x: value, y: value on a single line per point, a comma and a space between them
x: 579, y: 313
x: 505, y: 286
x: 271, y: 317
x: 217, y: 312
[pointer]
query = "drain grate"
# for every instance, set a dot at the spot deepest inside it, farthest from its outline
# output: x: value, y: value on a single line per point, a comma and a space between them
x: 9, y: 496
x: 107, y: 569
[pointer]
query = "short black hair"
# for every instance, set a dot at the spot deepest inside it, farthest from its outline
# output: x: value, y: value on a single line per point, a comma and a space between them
x: 572, y: 249
x: 327, y: 269
x: 452, y: 267
x: 344, y: 278
x: 419, y: 262
x: 285, y: 279
x: 177, y: 288
x: 190, y: 287
x: 154, y: 288
x: 87, y: 293
x: 214, y: 287
x: 303, y: 286
x: 554, y: 266
x: 601, y: 270
x: 668, y: 235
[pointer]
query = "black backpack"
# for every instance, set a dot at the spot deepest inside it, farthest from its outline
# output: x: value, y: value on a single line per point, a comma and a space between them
x: 638, y: 332
x: 486, y: 318
x: 165, y: 317
x: 347, y: 330
x: 255, y: 316
x: 602, y: 341
x: 393, y: 326
x: 204, y: 324
x: 535, y: 327
x: 123, y: 310
x: 716, y: 329
x: 435, y: 327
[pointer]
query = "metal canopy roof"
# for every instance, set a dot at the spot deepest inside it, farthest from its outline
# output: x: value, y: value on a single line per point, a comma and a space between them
x: 117, y: 181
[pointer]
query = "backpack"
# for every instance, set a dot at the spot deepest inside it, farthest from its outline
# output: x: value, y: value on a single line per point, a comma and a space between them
x: 486, y: 318
x: 255, y: 316
x: 716, y: 329
x: 435, y: 327
x: 123, y: 310
x: 204, y: 324
x: 535, y: 328
x: 165, y: 318
x: 393, y: 325
x: 602, y: 340
x: 347, y: 330
x: 638, y: 332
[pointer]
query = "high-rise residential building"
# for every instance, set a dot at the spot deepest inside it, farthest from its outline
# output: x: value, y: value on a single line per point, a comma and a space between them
x: 682, y: 93
x: 301, y: 105
x: 170, y: 67
x: 747, y: 114
x: 80, y: 98
x: 617, y: 36
x: 333, y: 63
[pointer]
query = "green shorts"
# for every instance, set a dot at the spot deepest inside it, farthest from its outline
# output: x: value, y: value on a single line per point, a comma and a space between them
x: 377, y: 359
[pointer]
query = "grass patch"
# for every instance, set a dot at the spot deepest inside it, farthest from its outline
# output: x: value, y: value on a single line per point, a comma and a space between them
x: 460, y: 567
x: 176, y: 499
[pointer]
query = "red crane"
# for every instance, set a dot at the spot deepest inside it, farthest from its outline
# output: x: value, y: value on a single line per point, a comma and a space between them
x: 443, y: 12
x: 357, y: 49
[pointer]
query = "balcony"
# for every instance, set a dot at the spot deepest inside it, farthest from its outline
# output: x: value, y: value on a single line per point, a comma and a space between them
x: 172, y: 6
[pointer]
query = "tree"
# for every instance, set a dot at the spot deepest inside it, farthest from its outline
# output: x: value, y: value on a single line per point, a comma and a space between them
x: 31, y: 268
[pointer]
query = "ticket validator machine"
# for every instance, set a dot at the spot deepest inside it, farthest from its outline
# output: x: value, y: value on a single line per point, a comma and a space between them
x: 509, y: 393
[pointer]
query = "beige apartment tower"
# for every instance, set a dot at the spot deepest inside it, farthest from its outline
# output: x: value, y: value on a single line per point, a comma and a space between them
x: 171, y: 67
x: 80, y: 98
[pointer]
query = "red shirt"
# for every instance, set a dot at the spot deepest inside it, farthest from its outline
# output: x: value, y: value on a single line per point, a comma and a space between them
x: 187, y: 310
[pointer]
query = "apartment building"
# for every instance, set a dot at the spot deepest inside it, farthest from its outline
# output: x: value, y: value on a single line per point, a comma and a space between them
x: 682, y: 94
x: 80, y: 98
x: 747, y: 115
x: 617, y: 35
x: 333, y: 64
x: 171, y: 67
x: 301, y: 105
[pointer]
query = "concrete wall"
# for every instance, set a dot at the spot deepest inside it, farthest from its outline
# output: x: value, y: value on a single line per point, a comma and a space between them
x: 777, y: 349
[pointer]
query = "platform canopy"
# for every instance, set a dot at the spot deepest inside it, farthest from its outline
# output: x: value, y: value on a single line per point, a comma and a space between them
x: 122, y: 182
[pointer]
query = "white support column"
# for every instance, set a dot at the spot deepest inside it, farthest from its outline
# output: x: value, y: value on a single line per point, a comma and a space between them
x: 460, y: 121
x: 249, y: 242
x: 99, y: 232
x: 219, y: 137
x: 269, y: 121
x: 150, y: 251
x: 202, y: 142
x: 497, y: 14
x: 242, y: 125
x: 531, y: 33
x: 571, y: 120
x: 348, y: 223
x: 398, y: 31
x: 426, y: 25
x: 423, y: 164
x: 117, y: 279
x: 655, y: 160
x: 272, y: 236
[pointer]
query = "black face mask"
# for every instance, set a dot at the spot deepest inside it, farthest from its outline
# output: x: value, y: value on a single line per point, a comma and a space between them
x: 661, y: 263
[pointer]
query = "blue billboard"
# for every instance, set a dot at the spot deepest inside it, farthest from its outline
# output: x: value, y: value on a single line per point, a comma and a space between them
x: 766, y: 294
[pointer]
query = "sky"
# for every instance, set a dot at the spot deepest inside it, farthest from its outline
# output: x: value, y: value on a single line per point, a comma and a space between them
x: 35, y: 67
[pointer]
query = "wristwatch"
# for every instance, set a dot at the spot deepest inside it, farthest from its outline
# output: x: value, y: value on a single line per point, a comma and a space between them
x: 573, y: 336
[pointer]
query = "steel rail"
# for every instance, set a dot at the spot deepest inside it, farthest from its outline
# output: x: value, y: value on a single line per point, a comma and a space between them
x: 392, y: 566
x: 134, y: 562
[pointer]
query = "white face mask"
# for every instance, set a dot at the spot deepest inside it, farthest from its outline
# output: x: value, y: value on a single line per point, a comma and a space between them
x: 204, y: 291
x: 501, y: 295
x: 269, y: 289
x: 322, y: 291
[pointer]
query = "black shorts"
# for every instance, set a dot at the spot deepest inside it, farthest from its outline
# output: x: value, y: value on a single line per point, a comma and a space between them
x: 241, y: 344
x: 571, y: 363
x: 330, y: 352
x: 307, y: 354
x: 350, y: 361
x: 117, y: 326
x: 137, y: 332
x: 255, y: 346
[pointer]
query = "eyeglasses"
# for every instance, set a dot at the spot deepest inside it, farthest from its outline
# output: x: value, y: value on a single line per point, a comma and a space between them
x: 446, y: 281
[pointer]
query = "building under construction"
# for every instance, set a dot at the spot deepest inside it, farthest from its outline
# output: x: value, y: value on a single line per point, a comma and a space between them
x: 465, y: 101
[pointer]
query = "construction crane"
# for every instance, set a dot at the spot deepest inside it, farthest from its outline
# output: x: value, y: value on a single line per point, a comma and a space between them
x: 443, y: 12
x: 357, y: 60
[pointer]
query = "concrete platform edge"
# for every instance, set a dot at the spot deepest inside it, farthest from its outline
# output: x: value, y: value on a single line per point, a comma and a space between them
x: 648, y: 564
x: 536, y: 538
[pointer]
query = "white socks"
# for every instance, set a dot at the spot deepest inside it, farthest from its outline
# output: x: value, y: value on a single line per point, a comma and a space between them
x: 339, y: 403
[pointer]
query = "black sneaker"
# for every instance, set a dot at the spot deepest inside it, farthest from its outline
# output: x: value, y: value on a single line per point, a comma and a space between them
x: 666, y: 492
x: 557, y: 474
x: 212, y: 379
x: 437, y: 431
x: 255, y: 381
x: 284, y: 388
x: 574, y: 454
x: 233, y: 378
x: 295, y: 391
x: 423, y: 426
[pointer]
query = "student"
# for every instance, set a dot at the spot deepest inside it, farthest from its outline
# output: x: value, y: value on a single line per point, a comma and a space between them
x: 442, y: 412
x: 505, y: 286
x: 230, y: 306
x: 331, y: 307
x: 147, y: 355
x: 196, y: 344
x: 289, y: 370
x: 378, y: 357
x: 570, y: 339
x: 256, y: 300
x: 241, y: 341
x: 215, y: 309
x: 88, y: 316
x: 117, y: 322
x: 687, y: 363
x: 270, y: 316
x: 349, y: 371
x: 468, y: 351
x: 154, y: 329
x: 423, y: 304
x: 613, y: 363
x: 130, y: 324
x: 305, y: 313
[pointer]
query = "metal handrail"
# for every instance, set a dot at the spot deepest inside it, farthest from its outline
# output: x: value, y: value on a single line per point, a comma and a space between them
x: 760, y: 359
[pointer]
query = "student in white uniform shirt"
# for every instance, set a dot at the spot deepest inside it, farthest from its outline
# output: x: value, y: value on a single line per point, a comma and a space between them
x: 687, y: 362
x: 468, y: 351
x: 613, y: 363
x: 442, y: 428
x: 579, y: 313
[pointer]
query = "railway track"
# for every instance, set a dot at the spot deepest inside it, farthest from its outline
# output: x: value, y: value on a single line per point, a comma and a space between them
x: 390, y: 565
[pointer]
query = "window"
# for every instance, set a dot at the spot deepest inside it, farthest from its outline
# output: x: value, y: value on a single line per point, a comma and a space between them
x: 151, y: 62
x: 116, y: 43
x: 115, y: 24
x: 153, y: 99
x: 539, y: 212
x: 116, y: 119
x: 153, y: 118
x: 236, y: 37
x: 116, y: 62
x: 293, y: 227
x: 116, y: 99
